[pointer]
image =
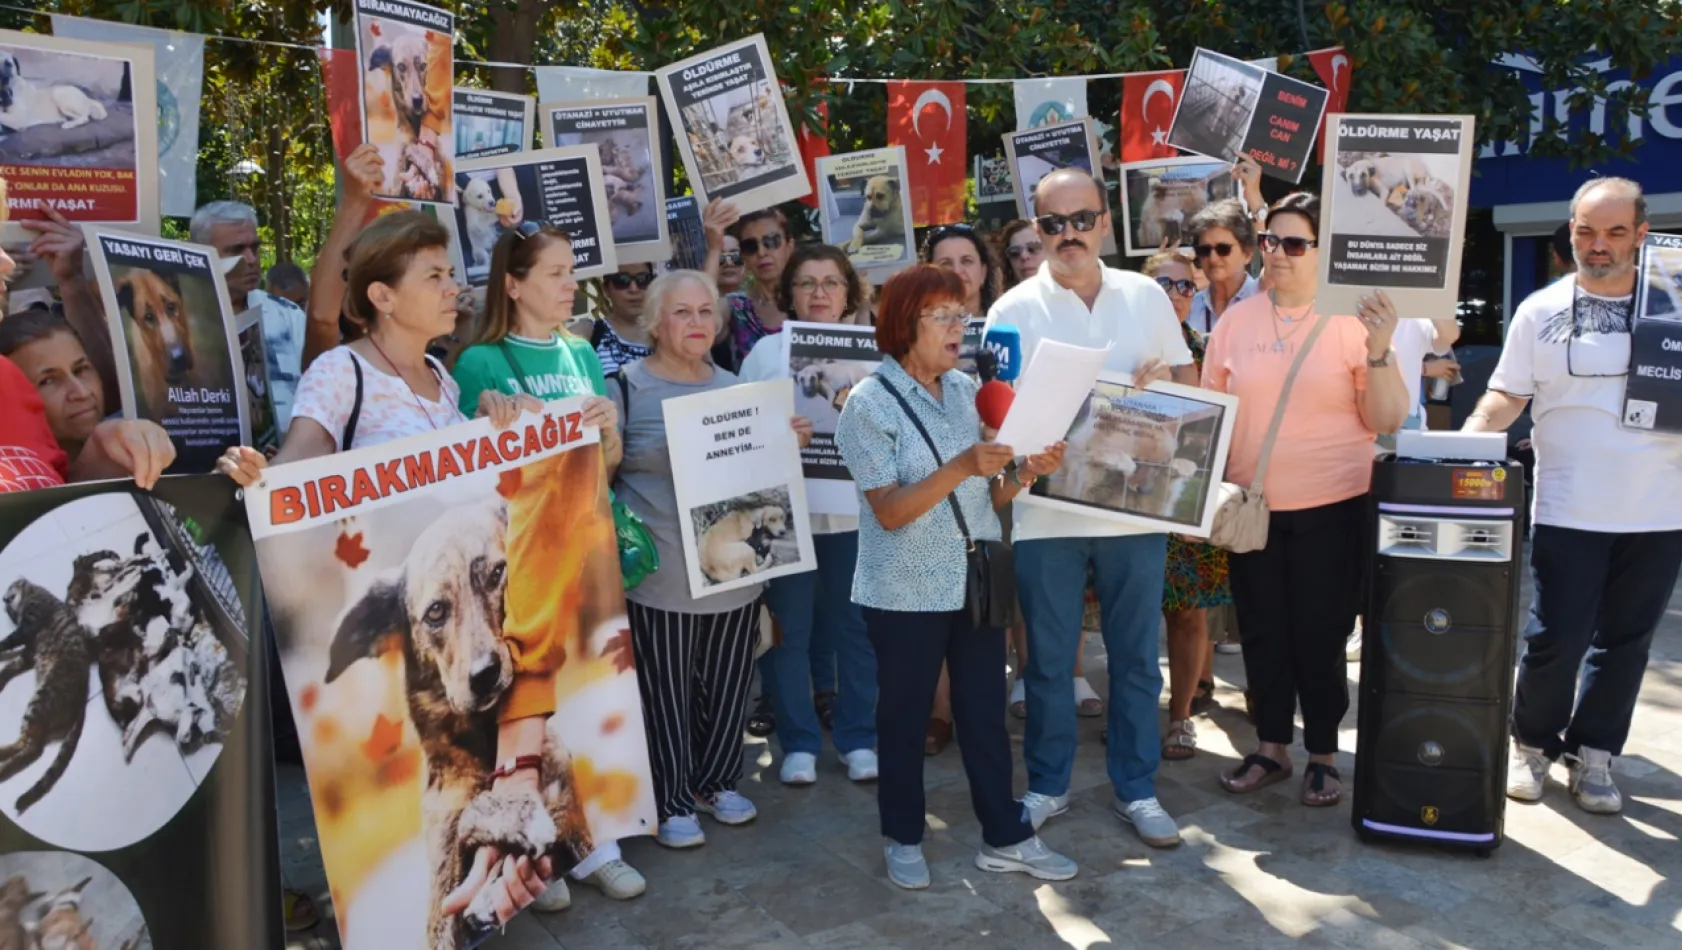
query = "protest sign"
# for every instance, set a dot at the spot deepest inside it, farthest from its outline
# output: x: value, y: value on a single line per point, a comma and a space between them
x: 491, y: 123
x: 826, y: 360
x: 741, y: 501
x: 1148, y: 457
x: 863, y: 210
x: 259, y: 398
x: 689, y: 238
x: 177, y: 349
x: 557, y: 186
x: 1159, y: 198
x: 992, y: 180
x: 622, y: 131
x: 1393, y: 211
x: 1036, y: 153
x: 1653, y: 392
x: 153, y: 787
x: 733, y: 127
x: 405, y: 52
x: 81, y: 123
x: 1230, y: 108
x: 423, y: 590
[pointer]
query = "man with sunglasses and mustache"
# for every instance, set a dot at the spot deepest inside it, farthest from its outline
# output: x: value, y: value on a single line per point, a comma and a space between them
x: 1077, y: 299
x: 1607, y: 513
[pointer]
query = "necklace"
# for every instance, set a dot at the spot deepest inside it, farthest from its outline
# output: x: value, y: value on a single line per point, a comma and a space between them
x: 414, y: 395
x: 1278, y: 340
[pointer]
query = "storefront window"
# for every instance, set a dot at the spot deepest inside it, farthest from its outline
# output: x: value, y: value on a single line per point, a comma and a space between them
x: 1481, y: 280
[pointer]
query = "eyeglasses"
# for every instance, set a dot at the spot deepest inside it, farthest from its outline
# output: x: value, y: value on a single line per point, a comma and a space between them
x: 1294, y: 246
x: 1053, y: 224
x: 1017, y: 252
x: 730, y: 258
x: 1184, y: 288
x: 1600, y: 318
x: 946, y: 320
x: 624, y: 281
x: 768, y: 243
x: 829, y: 285
x: 1223, y: 249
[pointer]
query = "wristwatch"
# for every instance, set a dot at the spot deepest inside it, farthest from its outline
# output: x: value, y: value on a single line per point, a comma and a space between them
x: 1382, y: 361
x: 1015, y: 472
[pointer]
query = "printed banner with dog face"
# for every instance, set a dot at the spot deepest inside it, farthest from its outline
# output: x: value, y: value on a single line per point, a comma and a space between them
x: 81, y: 123
x: 1159, y: 197
x: 1229, y: 107
x: 135, y: 768
x: 1148, y: 457
x: 1393, y: 211
x: 491, y: 123
x: 863, y: 211
x: 733, y: 127
x: 623, y: 132
x: 406, y: 51
x: 423, y: 591
x: 742, y: 499
x: 177, y: 349
x: 558, y: 186
x: 826, y: 360
x: 1653, y: 394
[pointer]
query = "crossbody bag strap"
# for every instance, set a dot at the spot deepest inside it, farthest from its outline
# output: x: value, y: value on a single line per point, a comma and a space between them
x: 1284, y: 396
x: 349, y: 434
x: 951, y: 499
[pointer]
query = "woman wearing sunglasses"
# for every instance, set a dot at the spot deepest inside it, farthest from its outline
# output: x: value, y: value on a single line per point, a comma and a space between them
x: 618, y: 337
x: 766, y: 242
x: 1224, y: 239
x: 1022, y: 250
x: 1297, y: 597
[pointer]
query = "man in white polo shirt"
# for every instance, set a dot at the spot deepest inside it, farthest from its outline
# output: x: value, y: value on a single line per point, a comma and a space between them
x: 1607, y: 541
x: 1076, y: 299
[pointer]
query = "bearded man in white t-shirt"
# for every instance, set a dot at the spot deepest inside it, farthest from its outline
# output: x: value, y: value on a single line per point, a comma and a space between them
x: 1607, y: 538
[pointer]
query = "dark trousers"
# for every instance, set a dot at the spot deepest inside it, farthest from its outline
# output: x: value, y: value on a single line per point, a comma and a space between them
x: 1297, y: 599
x: 693, y: 671
x: 909, y: 650
x: 1598, y: 599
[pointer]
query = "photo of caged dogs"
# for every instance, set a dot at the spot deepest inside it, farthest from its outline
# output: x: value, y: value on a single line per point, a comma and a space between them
x: 121, y: 666
x: 56, y: 900
x: 745, y: 535
x: 738, y: 135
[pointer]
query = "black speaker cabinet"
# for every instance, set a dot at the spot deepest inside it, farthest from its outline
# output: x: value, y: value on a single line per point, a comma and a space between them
x: 1440, y: 627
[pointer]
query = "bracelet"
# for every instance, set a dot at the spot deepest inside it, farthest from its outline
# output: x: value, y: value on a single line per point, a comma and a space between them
x: 1382, y: 361
x: 516, y: 764
x: 1016, y: 476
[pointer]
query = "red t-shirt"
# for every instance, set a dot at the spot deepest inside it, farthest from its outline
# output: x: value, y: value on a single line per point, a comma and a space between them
x: 29, y: 455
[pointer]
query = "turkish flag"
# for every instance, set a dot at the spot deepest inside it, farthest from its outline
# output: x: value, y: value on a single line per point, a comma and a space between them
x: 814, y: 144
x: 1148, y: 101
x: 930, y: 120
x: 1332, y: 65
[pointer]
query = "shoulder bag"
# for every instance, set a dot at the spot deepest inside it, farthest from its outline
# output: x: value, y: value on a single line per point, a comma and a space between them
x: 637, y: 555
x: 1241, y: 514
x: 990, y: 566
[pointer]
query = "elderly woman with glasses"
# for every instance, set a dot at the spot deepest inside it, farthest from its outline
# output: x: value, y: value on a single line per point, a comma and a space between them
x: 1297, y: 596
x: 1223, y: 237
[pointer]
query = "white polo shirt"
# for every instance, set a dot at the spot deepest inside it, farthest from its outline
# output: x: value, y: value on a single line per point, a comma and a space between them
x: 1132, y: 318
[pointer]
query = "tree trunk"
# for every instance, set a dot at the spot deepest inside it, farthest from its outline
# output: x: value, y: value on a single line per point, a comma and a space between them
x: 275, y: 180
x: 514, y: 40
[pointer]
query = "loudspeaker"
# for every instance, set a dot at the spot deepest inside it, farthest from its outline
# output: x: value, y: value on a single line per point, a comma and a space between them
x: 1440, y: 628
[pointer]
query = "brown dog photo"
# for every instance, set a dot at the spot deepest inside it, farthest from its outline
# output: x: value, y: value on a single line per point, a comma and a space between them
x: 746, y: 535
x: 407, y: 98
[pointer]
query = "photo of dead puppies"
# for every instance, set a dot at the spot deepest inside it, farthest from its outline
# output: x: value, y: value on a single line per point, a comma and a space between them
x: 65, y: 110
x: 745, y: 535
x: 1162, y: 197
x: 821, y: 387
x: 56, y: 900
x: 407, y: 97
x: 738, y: 136
x: 634, y: 206
x: 1394, y: 195
x: 1216, y: 106
x: 177, y: 343
x: 147, y: 614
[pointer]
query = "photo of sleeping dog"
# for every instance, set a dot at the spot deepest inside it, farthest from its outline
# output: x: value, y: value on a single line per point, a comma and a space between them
x: 407, y: 98
x: 746, y: 535
x: 1395, y: 194
x: 1161, y: 197
x: 821, y: 387
x: 56, y: 900
x: 66, y: 110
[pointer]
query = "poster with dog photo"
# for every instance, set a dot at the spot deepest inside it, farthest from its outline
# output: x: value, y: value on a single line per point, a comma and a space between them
x: 1393, y: 211
x: 491, y: 123
x: 862, y: 212
x: 134, y: 719
x: 1148, y: 457
x: 622, y: 130
x: 992, y: 180
x: 407, y: 55
x: 742, y: 500
x: 81, y: 132
x: 1653, y: 392
x: 733, y: 127
x: 253, y: 352
x: 177, y: 349
x: 1036, y: 153
x: 1229, y: 107
x: 556, y: 186
x: 424, y: 591
x: 1159, y: 197
x: 689, y: 237
x: 826, y: 360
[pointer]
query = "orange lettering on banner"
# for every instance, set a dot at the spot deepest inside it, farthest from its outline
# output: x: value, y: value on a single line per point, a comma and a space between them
x: 487, y: 453
x: 464, y: 451
x: 362, y: 488
x: 508, y: 443
x: 286, y: 505
x: 418, y: 470
x: 447, y: 465
x: 390, y: 484
x: 333, y: 497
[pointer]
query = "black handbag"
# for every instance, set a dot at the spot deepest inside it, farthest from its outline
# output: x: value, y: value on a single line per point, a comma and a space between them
x: 990, y: 566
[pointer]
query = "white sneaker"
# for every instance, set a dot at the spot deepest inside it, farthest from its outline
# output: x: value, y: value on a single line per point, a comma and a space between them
x: 1040, y: 808
x: 861, y: 765
x: 1527, y: 769
x: 617, y: 880
x: 727, y: 808
x: 1031, y: 857
x: 1591, y: 782
x: 1352, y: 646
x: 1154, y: 825
x: 554, y: 900
x: 681, y: 831
x: 906, y: 867
x: 799, y: 768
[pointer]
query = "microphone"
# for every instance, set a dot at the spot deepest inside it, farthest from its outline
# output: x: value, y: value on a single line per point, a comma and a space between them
x: 993, y: 401
x: 1005, y: 343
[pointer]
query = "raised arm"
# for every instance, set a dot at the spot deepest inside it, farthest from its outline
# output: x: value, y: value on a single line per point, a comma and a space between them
x: 363, y: 171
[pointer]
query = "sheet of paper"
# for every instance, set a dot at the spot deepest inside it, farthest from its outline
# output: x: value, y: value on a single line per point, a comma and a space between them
x: 1056, y: 383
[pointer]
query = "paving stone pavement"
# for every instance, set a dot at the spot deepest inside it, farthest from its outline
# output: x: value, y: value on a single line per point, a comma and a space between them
x: 1257, y: 871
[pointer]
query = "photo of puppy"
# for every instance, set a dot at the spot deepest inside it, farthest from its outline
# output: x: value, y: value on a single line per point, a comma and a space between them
x: 821, y: 388
x: 1394, y: 195
x: 1216, y: 106
x: 1159, y: 199
x: 478, y: 209
x: 24, y: 104
x: 56, y: 900
x: 745, y: 535
x: 406, y: 103
x: 882, y: 222
x: 64, y: 110
x: 159, y: 333
x: 738, y: 135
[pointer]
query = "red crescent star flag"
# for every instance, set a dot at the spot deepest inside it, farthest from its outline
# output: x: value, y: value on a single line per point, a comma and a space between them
x: 929, y: 119
x: 1333, y: 67
x: 1148, y: 101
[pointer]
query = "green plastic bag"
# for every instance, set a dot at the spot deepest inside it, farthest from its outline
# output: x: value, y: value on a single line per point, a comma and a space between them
x: 637, y: 556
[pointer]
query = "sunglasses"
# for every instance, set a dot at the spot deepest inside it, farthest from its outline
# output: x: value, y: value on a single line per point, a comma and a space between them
x: 1017, y: 252
x: 730, y: 258
x: 528, y: 228
x: 768, y: 243
x: 1184, y: 288
x: 624, y: 281
x: 1222, y: 249
x: 1053, y: 224
x: 1293, y: 246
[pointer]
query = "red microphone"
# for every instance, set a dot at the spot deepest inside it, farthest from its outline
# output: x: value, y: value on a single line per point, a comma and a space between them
x: 993, y: 401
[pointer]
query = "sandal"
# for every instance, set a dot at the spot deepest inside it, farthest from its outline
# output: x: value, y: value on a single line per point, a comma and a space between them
x: 1314, y: 793
x: 937, y: 737
x: 298, y: 911
x: 1204, y: 699
x: 823, y: 701
x: 1272, y: 774
x: 1019, y: 699
x: 1181, y: 740
x: 1087, y: 703
x: 762, y: 722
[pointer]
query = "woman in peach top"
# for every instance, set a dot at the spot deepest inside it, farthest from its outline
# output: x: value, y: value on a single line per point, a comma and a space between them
x: 1297, y: 597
